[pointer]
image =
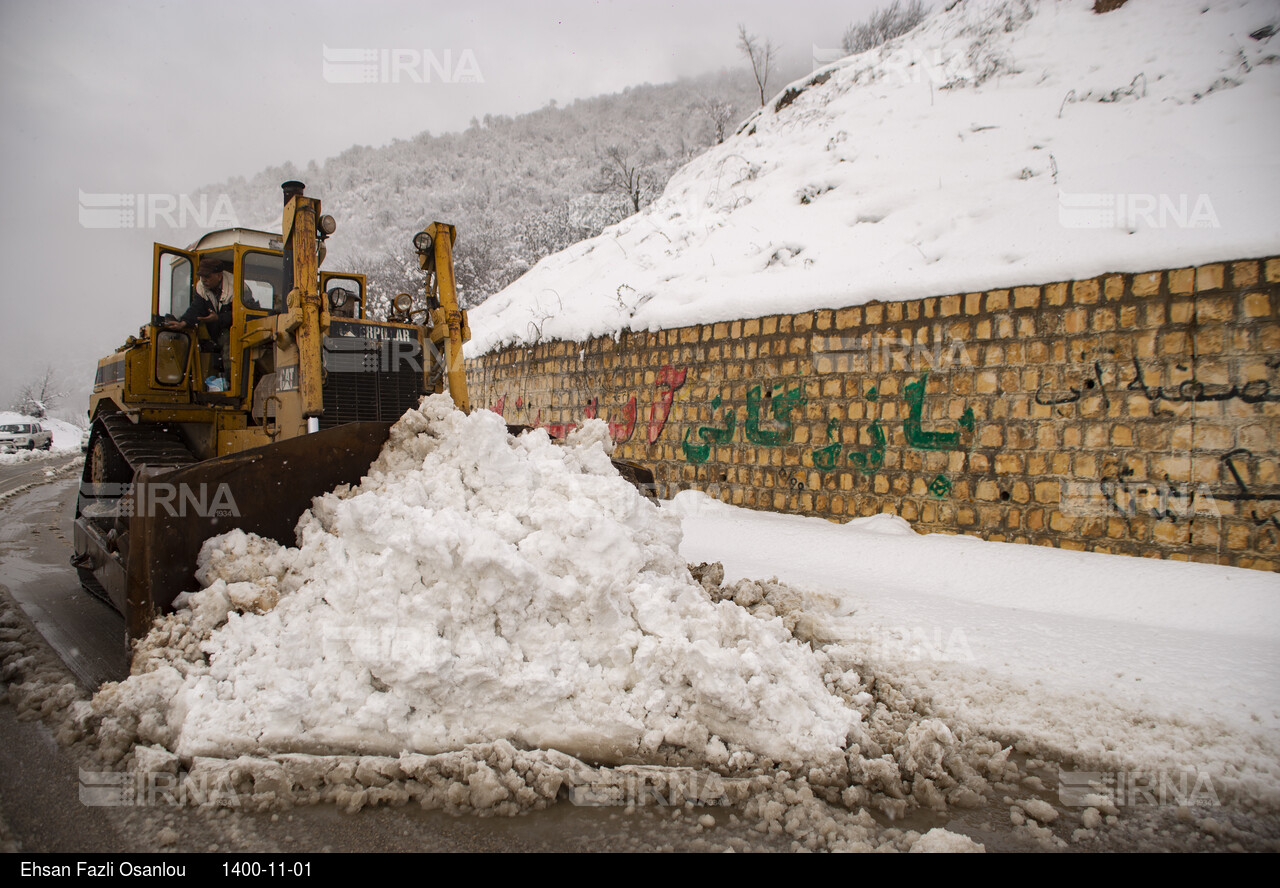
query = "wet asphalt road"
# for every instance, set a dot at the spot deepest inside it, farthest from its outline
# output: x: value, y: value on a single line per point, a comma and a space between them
x: 35, y: 552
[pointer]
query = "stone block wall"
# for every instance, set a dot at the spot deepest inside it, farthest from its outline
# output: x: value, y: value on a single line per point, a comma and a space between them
x: 1128, y: 413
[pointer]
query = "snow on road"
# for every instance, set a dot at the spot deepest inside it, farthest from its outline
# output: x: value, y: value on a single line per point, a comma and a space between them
x: 1115, y: 662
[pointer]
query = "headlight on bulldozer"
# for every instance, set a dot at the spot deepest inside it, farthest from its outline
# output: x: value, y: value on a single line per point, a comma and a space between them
x: 328, y: 224
x: 338, y: 298
x: 422, y: 242
x: 402, y: 303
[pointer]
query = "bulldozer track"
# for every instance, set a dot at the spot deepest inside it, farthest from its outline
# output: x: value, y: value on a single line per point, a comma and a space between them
x: 128, y: 447
x: 149, y: 444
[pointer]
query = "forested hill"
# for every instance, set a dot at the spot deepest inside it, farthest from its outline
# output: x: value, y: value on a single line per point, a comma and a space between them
x: 518, y: 188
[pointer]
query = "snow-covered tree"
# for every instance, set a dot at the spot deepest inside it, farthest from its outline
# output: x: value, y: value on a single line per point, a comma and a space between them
x: 40, y: 395
x: 517, y: 188
x: 720, y: 114
x: 882, y: 26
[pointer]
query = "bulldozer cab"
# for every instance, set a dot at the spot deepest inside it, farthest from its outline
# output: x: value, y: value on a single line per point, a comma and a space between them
x: 191, y: 361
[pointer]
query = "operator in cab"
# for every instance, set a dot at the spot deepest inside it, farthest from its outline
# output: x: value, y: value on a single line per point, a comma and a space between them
x: 211, y: 307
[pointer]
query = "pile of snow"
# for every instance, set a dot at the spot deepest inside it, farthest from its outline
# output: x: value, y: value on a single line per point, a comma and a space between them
x: 478, y: 587
x: 1002, y: 142
x: 484, y: 622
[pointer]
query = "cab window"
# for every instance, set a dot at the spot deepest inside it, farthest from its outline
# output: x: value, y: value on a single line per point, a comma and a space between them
x: 263, y: 277
x: 345, y: 296
x: 175, y: 285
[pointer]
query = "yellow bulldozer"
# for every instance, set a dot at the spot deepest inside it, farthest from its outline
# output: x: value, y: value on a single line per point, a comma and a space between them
x: 285, y: 389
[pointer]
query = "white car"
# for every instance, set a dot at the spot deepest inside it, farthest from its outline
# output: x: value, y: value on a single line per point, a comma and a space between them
x: 25, y: 436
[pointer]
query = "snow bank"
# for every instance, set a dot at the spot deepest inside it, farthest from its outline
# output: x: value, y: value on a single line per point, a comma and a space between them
x: 66, y: 436
x: 1002, y: 142
x: 1114, y: 663
x: 478, y: 587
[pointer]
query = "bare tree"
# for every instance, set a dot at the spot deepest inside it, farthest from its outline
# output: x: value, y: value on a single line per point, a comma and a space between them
x: 720, y: 113
x: 37, y: 397
x: 619, y: 174
x: 761, y: 56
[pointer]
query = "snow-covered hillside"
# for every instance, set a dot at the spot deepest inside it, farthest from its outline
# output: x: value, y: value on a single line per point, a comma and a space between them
x: 517, y: 188
x: 1002, y: 142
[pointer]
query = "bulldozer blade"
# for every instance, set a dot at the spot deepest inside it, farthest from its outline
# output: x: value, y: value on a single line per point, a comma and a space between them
x: 641, y: 478
x: 262, y: 491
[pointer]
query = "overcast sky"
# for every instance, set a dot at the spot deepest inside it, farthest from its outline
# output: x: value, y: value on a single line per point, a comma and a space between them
x: 164, y: 97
